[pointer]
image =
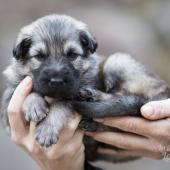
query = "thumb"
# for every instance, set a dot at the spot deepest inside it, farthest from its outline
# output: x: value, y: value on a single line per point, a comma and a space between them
x: 20, y: 94
x: 156, y: 110
x: 14, y: 109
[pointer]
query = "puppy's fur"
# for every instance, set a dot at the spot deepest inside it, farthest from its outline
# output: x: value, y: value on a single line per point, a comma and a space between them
x: 58, y: 52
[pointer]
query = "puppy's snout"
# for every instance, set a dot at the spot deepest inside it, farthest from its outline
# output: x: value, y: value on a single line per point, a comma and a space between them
x: 55, y: 82
x: 55, y: 78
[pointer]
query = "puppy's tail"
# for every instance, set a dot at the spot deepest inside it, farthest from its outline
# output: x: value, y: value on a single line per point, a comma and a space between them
x: 118, y: 106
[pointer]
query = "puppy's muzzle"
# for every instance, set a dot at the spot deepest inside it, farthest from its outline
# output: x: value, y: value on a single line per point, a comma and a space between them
x: 56, y: 79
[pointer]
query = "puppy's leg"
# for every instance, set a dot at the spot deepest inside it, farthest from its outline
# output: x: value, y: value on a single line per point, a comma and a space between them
x: 116, y: 71
x: 103, y: 104
x: 117, y: 106
x: 35, y: 108
x: 91, y: 94
x: 48, y: 130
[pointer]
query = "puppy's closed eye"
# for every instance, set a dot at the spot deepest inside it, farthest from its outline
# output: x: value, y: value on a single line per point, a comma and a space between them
x: 40, y: 56
x: 72, y: 55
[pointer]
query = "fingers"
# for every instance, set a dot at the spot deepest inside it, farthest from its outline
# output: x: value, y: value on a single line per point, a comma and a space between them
x: 132, y: 142
x: 14, y: 109
x: 67, y: 149
x: 125, y: 141
x: 130, y: 124
x: 130, y: 153
x: 156, y: 110
x: 29, y: 143
x: 69, y: 130
x: 75, y: 143
x: 32, y: 129
x: 68, y: 140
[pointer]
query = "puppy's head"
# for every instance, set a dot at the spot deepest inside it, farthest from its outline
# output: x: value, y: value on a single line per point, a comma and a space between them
x: 55, y: 49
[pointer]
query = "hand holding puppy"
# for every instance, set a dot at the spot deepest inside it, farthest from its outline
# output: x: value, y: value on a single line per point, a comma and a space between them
x: 148, y: 137
x: 68, y: 149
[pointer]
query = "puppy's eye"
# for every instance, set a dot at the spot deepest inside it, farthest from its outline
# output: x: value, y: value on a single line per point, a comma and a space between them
x: 72, y: 55
x: 40, y: 57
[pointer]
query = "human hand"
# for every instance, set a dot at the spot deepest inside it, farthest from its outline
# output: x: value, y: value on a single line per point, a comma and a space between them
x: 144, y: 137
x: 156, y: 110
x: 68, y: 153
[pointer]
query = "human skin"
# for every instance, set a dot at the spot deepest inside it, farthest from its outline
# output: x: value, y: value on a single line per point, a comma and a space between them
x: 147, y: 137
x: 67, y: 154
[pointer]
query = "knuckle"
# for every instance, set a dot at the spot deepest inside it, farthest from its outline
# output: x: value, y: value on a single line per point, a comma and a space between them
x: 122, y: 143
x: 11, y: 110
x: 16, y: 138
x: 71, y: 150
x: 34, y: 150
x: 162, y: 133
x: 130, y: 125
x: 70, y: 127
x: 51, y: 155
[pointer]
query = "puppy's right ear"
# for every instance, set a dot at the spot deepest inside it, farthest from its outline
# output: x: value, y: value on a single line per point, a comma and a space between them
x: 20, y: 51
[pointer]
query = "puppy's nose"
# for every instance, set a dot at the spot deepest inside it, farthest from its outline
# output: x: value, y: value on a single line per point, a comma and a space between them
x: 55, y: 82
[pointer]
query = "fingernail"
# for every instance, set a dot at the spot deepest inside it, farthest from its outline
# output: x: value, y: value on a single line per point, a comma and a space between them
x: 99, y: 120
x: 27, y: 80
x: 147, y: 110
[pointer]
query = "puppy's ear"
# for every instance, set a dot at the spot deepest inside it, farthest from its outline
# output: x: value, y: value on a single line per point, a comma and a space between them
x: 88, y: 41
x: 21, y: 49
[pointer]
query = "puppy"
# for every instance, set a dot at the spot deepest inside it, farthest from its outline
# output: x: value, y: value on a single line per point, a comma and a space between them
x: 58, y: 52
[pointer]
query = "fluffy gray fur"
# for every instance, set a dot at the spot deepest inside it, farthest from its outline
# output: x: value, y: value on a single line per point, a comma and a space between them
x: 58, y: 52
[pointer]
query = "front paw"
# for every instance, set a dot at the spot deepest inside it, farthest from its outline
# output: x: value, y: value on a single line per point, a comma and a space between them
x: 35, y: 109
x: 87, y: 94
x: 46, y: 134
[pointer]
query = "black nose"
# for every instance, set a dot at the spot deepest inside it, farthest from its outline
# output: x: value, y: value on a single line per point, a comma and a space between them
x: 55, y: 82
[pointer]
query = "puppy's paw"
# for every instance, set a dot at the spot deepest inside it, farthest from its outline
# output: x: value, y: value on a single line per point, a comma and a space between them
x: 87, y: 94
x: 46, y: 134
x: 35, y: 108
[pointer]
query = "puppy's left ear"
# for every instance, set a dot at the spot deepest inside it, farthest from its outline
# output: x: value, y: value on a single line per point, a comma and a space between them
x: 88, y: 41
x: 21, y: 49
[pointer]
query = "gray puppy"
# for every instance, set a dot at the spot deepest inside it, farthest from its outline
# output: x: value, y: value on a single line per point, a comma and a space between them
x: 58, y: 52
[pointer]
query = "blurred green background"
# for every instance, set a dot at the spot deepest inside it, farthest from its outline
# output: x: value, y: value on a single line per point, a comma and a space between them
x: 139, y: 27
